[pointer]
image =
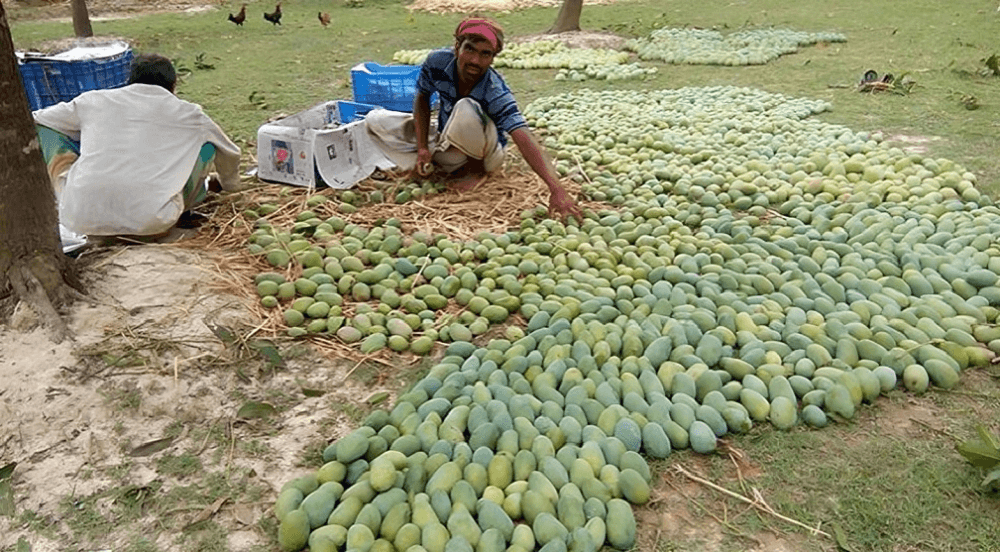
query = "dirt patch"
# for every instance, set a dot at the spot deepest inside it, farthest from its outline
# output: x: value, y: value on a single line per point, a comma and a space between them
x: 910, y: 418
x: 678, y: 514
x: 148, y: 387
x: 919, y: 145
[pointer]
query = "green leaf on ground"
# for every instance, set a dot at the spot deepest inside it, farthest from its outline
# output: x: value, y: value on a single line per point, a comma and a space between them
x: 269, y: 352
x: 6, y: 499
x: 377, y: 398
x: 840, y: 537
x: 152, y: 447
x: 982, y: 454
x: 254, y: 409
x: 224, y: 334
x: 987, y: 437
x: 309, y: 392
x: 7, y: 471
x: 993, y: 64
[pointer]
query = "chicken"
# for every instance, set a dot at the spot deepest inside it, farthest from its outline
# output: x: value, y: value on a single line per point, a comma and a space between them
x: 275, y: 17
x: 324, y: 18
x: 240, y: 17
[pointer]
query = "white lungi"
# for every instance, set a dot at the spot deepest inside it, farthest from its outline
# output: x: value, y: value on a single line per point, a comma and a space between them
x: 469, y: 133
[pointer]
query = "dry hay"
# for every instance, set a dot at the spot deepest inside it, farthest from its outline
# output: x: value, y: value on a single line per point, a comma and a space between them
x: 472, y: 6
x: 494, y: 206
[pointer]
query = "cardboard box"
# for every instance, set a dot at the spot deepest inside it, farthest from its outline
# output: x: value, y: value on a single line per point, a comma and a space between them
x: 312, y: 147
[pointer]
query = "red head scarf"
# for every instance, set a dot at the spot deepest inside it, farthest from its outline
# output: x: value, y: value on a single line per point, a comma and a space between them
x: 481, y: 28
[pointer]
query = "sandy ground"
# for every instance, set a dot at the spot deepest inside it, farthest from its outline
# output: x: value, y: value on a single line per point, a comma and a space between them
x: 74, y: 424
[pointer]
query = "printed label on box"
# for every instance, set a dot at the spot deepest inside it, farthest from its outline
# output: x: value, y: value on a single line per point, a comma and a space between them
x: 282, y: 157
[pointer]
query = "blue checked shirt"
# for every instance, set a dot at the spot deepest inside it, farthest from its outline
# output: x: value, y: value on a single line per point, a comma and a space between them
x: 439, y: 74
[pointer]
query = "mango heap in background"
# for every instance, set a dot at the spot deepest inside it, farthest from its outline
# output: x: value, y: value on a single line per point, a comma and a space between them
x: 669, y: 45
x: 753, y: 266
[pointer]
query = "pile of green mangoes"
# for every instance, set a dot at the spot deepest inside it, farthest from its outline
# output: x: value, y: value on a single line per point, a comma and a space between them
x: 753, y: 266
x: 411, y: 57
x: 576, y: 64
x: 555, y: 54
x: 707, y: 47
x: 611, y: 72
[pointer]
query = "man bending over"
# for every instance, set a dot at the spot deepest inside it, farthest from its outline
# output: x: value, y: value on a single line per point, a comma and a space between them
x: 477, y: 112
x: 129, y: 161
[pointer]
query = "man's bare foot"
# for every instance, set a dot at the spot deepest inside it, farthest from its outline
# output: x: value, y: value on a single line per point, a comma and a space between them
x: 468, y: 177
x: 467, y: 182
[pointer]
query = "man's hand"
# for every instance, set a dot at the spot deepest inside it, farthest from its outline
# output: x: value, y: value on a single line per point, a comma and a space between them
x: 421, y: 126
x: 425, y: 165
x: 561, y: 206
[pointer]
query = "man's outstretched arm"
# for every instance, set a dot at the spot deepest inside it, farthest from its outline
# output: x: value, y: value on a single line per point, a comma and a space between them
x: 560, y: 204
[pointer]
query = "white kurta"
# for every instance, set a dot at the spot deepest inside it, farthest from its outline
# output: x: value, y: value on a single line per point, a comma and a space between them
x: 138, y: 146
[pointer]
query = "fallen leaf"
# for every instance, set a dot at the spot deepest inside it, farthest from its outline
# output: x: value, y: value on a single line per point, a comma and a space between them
x: 309, y: 392
x: 224, y: 334
x: 208, y: 512
x: 377, y: 398
x: 7, y: 471
x: 987, y: 437
x: 979, y: 454
x: 254, y: 409
x: 993, y: 64
x: 152, y: 447
x: 270, y: 354
x: 840, y: 537
x: 6, y: 499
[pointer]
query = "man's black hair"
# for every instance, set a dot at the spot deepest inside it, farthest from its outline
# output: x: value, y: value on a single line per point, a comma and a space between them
x: 153, y: 69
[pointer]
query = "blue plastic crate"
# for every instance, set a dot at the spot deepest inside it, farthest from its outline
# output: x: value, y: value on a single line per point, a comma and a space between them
x: 389, y: 86
x: 48, y: 81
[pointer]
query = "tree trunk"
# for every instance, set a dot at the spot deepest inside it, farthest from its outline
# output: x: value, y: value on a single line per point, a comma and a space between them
x: 81, y: 19
x: 568, y: 18
x: 32, y: 265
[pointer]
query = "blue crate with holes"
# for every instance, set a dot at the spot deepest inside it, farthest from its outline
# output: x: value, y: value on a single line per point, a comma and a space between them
x: 389, y: 86
x: 49, y: 81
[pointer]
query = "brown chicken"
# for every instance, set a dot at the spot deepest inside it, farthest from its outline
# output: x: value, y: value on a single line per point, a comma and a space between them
x: 324, y: 18
x: 275, y: 17
x: 240, y: 17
